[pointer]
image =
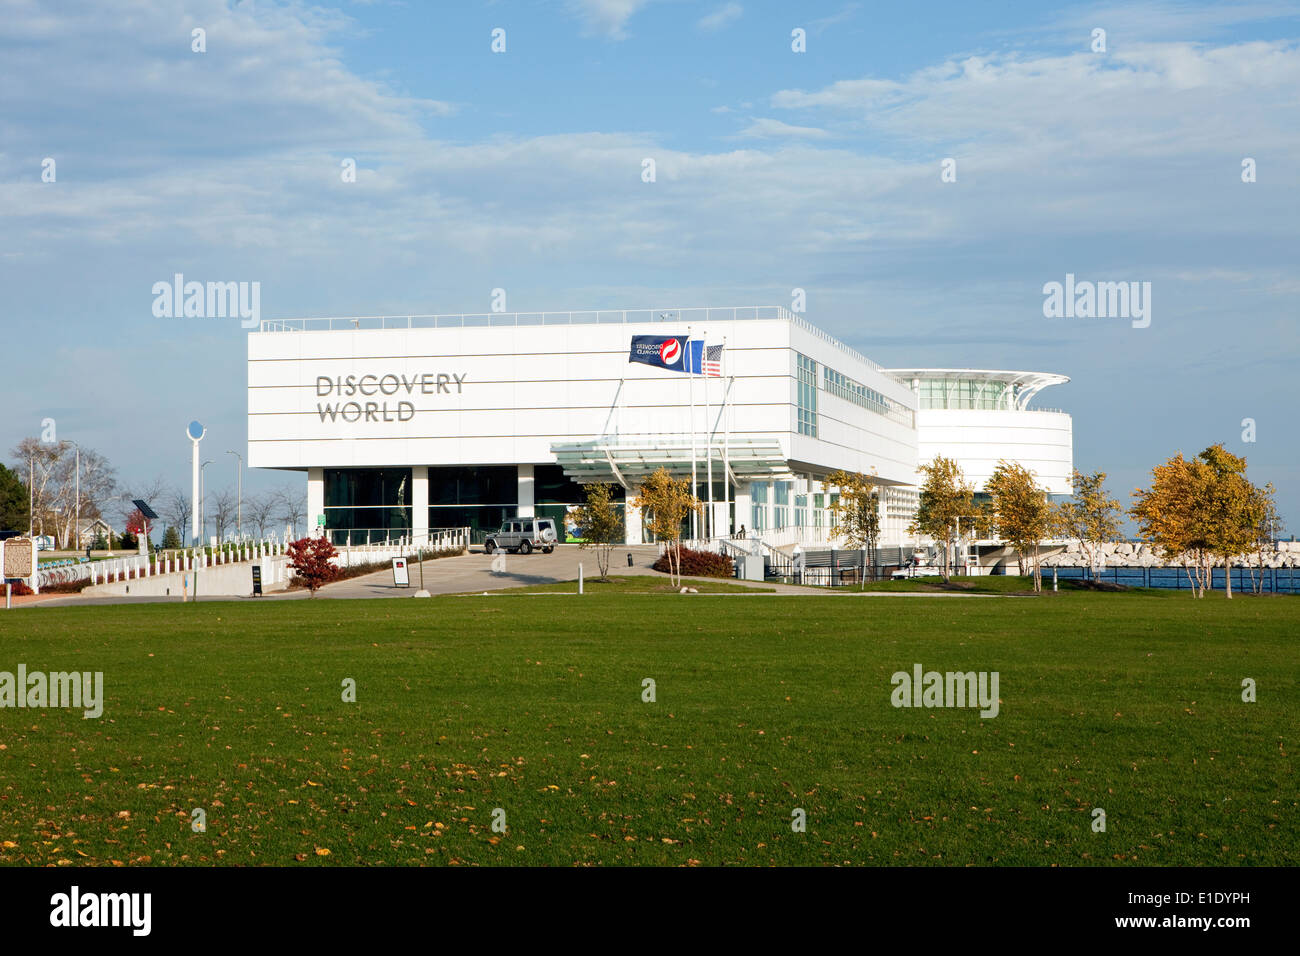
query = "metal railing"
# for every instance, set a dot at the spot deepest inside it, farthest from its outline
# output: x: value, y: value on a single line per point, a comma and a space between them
x: 456, y: 320
x: 438, y: 538
x: 1283, y: 580
x: 692, y: 315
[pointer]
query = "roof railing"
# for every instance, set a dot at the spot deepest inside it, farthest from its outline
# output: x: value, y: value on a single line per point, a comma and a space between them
x: 689, y: 315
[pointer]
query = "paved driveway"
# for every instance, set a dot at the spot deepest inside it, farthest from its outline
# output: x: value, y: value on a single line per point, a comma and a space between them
x: 473, y: 572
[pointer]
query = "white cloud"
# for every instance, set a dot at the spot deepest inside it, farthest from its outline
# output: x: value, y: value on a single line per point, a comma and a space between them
x: 1123, y: 166
x: 820, y: 25
x: 606, y: 17
x: 721, y: 17
x: 766, y: 128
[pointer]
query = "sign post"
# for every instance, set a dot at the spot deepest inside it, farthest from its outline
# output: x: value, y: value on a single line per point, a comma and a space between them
x: 18, y: 556
x: 401, y: 573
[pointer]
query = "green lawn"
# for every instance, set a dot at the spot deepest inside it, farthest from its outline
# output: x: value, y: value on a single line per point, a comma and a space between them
x: 1127, y: 702
x: 634, y: 584
x: 985, y: 584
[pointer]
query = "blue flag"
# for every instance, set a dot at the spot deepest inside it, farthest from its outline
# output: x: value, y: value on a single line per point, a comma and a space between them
x: 694, y: 356
x: 661, y: 351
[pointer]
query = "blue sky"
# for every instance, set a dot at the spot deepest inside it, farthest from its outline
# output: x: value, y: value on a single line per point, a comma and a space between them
x: 775, y: 170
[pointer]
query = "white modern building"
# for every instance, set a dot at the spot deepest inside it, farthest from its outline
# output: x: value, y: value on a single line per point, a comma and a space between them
x: 981, y: 417
x: 404, y: 424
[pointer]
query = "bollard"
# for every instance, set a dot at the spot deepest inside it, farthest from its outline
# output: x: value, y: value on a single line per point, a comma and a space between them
x: 1053, y: 579
x: 579, y: 578
x: 629, y: 559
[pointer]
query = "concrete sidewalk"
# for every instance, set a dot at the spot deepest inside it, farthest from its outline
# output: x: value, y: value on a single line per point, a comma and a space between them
x: 472, y: 573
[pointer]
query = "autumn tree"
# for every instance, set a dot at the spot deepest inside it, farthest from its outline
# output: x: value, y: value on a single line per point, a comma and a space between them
x: 1022, y: 513
x: 1169, y: 515
x: 856, y: 512
x: 311, y: 560
x: 1091, y: 517
x: 945, y: 499
x: 137, y: 526
x: 1232, y: 511
x: 1267, y: 528
x: 1199, y: 510
x: 665, y: 502
x: 601, y: 524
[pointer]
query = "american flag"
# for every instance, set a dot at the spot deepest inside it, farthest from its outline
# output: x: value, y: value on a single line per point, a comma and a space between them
x: 712, y: 364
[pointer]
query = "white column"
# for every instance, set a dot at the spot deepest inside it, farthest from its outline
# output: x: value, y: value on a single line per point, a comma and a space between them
x: 315, y: 498
x: 632, y: 521
x: 744, y: 508
x: 527, y: 492
x: 196, y: 528
x: 420, y: 505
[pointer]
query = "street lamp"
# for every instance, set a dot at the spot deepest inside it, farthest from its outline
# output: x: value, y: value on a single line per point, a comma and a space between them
x: 195, y: 432
x: 239, y: 497
x: 76, y: 513
x: 203, y: 503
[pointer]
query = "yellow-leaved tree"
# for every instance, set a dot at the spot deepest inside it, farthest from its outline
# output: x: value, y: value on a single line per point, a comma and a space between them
x: 1021, y: 513
x: 945, y: 499
x: 1198, y: 510
x: 665, y: 502
x: 857, y: 513
x: 1091, y: 517
x: 601, y: 523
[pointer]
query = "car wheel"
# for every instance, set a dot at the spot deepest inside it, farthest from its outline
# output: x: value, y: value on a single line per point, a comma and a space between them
x: 490, y: 547
x: 525, y: 547
x: 547, y: 550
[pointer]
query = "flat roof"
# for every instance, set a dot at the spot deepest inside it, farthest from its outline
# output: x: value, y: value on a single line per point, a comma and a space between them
x: 693, y: 315
x: 1026, y: 384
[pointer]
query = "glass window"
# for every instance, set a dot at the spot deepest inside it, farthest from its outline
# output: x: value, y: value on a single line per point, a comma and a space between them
x: 846, y: 388
x: 807, y: 394
x: 484, y: 485
x: 367, y: 487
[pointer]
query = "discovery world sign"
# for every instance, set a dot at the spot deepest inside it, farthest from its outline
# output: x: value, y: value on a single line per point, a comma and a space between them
x: 381, y: 388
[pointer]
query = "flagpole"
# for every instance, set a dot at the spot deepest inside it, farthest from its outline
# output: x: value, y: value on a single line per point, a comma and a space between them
x: 728, y: 524
x: 691, y: 384
x: 708, y: 438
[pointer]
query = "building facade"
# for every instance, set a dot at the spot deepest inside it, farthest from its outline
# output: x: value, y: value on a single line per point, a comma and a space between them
x: 405, y: 424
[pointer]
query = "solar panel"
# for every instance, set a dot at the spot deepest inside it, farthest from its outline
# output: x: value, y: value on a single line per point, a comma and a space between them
x: 145, y: 510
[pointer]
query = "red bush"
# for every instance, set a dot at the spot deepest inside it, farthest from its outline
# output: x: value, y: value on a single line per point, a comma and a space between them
x: 310, y: 560
x: 700, y: 564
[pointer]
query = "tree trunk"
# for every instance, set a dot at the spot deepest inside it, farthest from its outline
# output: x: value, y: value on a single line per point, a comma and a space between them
x: 1227, y: 577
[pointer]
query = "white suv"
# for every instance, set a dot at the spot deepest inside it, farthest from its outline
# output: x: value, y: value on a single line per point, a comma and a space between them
x: 522, y: 535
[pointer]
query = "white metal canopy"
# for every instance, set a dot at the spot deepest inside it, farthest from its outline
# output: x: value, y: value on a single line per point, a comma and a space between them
x: 628, y: 462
